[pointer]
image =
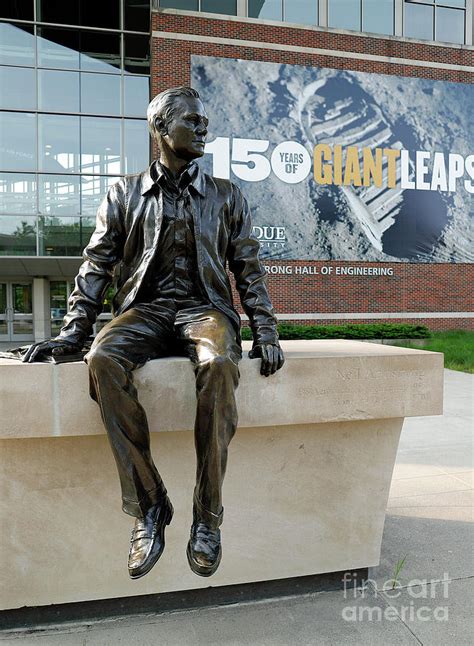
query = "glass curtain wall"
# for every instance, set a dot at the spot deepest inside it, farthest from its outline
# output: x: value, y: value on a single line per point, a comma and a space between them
x: 74, y: 88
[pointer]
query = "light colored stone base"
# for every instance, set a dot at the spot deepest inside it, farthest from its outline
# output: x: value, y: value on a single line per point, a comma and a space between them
x: 298, y: 501
x: 305, y: 493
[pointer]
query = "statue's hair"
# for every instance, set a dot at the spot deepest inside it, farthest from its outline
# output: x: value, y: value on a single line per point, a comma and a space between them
x: 164, y: 105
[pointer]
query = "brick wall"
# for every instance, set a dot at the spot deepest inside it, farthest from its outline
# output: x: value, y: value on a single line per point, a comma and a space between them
x: 414, y: 287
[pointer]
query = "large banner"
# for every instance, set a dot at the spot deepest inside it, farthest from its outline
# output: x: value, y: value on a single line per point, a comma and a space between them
x: 342, y: 165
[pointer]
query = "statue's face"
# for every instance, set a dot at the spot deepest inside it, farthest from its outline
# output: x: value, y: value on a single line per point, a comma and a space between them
x: 185, y: 133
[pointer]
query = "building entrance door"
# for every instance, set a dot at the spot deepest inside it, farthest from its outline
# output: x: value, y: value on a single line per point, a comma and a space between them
x: 16, y: 311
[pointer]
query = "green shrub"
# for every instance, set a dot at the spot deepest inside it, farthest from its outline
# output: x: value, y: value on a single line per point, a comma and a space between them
x: 349, y: 331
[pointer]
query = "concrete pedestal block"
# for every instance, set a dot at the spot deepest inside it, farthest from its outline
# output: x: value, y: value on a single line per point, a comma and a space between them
x: 306, y: 489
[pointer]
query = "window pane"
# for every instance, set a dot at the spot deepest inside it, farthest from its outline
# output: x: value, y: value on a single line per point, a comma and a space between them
x: 452, y: 3
x: 64, y: 236
x: 100, y: 146
x: 58, y: 91
x: 17, y: 88
x: 137, y: 54
x: 344, y: 14
x: 17, y: 9
x: 58, y: 195
x: 17, y: 193
x: 17, y: 45
x: 100, y: 93
x: 304, y: 12
x: 265, y: 9
x: 137, y: 95
x: 100, y: 52
x: 137, y: 15
x: 105, y: 13
x: 137, y: 146
x: 188, y: 5
x: 228, y: 7
x: 93, y: 190
x: 58, y: 143
x: 58, y: 48
x: 18, y: 137
x: 378, y: 16
x: 59, y: 12
x: 17, y: 236
x: 450, y: 25
x: 418, y: 21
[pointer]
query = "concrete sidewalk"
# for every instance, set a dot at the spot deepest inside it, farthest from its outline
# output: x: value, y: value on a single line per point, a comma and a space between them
x: 429, y: 521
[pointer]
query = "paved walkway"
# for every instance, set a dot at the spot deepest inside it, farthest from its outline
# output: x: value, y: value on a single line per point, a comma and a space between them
x: 429, y: 523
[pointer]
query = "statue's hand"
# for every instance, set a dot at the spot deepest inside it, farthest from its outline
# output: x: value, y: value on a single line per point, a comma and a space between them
x: 271, y: 355
x: 52, y: 347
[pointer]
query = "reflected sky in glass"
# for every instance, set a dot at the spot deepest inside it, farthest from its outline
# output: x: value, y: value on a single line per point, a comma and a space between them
x: 93, y: 190
x: 100, y: 93
x: 17, y: 45
x: 450, y: 25
x: 18, y: 137
x: 418, y: 21
x: 378, y: 16
x: 137, y: 95
x: 100, y: 145
x: 344, y: 14
x: 265, y: 9
x: 17, y: 88
x: 58, y: 91
x: 137, y: 146
x: 58, y: 143
x: 304, y: 12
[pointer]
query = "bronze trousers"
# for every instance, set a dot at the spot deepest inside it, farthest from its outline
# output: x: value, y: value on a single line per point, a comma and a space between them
x: 158, y: 329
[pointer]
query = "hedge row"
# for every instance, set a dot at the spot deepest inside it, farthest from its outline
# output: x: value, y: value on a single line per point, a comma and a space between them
x: 352, y: 331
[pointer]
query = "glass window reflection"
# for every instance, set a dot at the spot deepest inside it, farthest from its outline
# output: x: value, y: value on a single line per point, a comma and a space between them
x: 136, y: 15
x: 17, y: 88
x: 265, y: 9
x: 228, y: 7
x: 344, y: 14
x: 93, y: 190
x: 100, y: 93
x: 419, y: 21
x: 17, y: 9
x: 59, y: 194
x: 450, y: 25
x: 18, y: 137
x: 17, y: 235
x: 137, y: 146
x: 187, y: 5
x: 136, y: 95
x: 17, y: 193
x: 378, y: 16
x: 137, y: 54
x: 100, y: 52
x: 58, y: 143
x: 17, y: 44
x: 304, y: 12
x: 58, y: 91
x: 100, y: 146
x: 63, y: 236
x: 58, y: 48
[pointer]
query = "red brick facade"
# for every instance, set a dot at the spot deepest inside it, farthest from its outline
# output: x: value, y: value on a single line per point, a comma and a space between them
x: 414, y: 287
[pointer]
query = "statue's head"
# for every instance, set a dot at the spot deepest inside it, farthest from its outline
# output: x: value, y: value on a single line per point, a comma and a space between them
x: 178, y: 121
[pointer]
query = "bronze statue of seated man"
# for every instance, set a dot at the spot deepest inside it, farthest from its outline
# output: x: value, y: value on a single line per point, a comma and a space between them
x: 166, y: 237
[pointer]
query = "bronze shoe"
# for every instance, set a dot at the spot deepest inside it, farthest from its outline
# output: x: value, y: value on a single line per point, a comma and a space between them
x: 204, y: 549
x: 148, y: 539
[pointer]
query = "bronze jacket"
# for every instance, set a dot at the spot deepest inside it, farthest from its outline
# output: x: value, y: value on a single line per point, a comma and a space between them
x: 126, y: 238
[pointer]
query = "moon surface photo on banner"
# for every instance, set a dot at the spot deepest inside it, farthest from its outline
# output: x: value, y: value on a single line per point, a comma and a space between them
x: 343, y: 165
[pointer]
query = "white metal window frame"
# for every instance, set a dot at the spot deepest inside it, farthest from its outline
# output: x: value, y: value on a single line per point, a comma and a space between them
x: 242, y: 12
